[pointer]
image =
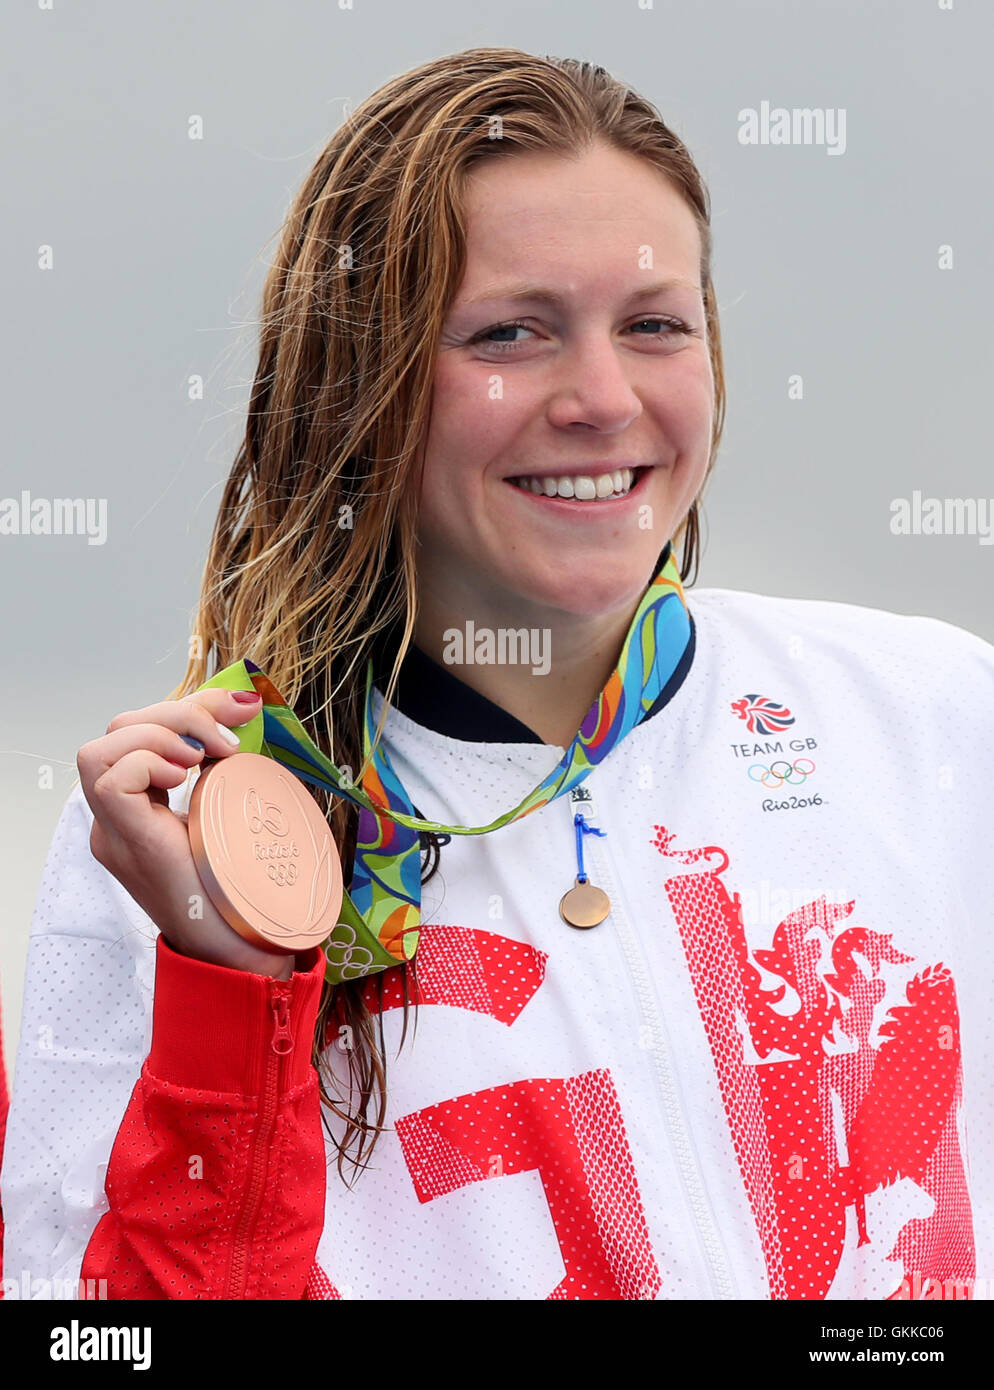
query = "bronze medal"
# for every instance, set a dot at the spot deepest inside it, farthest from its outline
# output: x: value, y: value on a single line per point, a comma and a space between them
x: 584, y: 905
x: 265, y: 853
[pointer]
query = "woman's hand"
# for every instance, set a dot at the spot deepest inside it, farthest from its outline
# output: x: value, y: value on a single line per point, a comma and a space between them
x: 145, y: 845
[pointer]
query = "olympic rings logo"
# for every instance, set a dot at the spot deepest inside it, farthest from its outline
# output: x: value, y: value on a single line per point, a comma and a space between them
x: 793, y: 773
x: 350, y: 960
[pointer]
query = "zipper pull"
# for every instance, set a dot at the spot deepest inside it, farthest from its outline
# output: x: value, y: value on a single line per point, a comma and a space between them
x: 282, y: 1040
x: 585, y: 905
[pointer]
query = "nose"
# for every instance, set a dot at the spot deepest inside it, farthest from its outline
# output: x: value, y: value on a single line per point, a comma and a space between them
x: 594, y: 388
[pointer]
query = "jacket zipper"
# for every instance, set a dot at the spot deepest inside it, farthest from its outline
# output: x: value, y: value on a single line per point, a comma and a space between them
x: 280, y: 1043
x: 688, y: 1164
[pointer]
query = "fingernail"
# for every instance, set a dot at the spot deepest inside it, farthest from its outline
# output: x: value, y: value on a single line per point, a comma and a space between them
x: 227, y: 733
x: 245, y: 697
x: 193, y: 742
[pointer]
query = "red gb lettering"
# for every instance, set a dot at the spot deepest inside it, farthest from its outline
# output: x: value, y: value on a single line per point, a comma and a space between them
x: 466, y: 968
x: 571, y: 1131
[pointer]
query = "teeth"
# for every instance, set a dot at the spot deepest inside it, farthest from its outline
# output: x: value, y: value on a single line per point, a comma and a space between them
x: 581, y: 486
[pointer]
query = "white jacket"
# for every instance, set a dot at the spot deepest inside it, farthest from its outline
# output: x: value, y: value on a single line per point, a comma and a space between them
x: 769, y: 1073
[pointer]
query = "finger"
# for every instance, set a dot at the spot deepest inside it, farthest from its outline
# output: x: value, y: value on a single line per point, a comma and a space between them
x: 119, y: 796
x: 210, y: 721
x: 96, y: 757
x: 221, y: 705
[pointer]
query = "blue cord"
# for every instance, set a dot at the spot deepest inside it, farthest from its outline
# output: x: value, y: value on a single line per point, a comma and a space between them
x: 582, y: 828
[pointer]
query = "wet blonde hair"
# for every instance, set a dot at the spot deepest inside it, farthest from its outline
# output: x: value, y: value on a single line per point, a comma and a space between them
x: 313, y: 552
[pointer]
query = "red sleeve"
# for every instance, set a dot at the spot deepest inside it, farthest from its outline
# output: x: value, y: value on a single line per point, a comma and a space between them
x: 216, y: 1180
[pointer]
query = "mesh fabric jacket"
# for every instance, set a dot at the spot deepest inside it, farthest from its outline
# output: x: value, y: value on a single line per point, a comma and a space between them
x: 767, y: 1073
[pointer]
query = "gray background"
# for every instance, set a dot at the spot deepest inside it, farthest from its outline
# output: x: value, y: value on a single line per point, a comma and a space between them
x: 825, y: 266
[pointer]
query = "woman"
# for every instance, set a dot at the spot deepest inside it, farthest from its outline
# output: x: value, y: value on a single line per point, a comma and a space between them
x: 489, y: 395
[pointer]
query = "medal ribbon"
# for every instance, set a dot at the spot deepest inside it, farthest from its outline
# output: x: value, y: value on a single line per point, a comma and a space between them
x: 380, y: 915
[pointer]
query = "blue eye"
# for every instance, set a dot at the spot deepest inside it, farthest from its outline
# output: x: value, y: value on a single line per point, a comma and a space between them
x: 676, y: 327
x: 500, y: 328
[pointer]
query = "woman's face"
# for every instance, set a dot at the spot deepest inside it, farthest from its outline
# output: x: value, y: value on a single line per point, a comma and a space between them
x: 606, y: 369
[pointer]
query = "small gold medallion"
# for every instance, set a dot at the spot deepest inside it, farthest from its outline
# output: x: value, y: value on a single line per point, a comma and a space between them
x: 584, y: 905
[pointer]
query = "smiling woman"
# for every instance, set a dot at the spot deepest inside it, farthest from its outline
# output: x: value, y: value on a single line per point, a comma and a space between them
x: 489, y: 396
x: 587, y: 393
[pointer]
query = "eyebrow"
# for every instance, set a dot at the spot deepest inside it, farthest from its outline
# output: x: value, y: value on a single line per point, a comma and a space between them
x: 542, y: 295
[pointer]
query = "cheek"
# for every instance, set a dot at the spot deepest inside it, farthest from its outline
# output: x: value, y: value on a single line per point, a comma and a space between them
x: 459, y: 391
x: 440, y: 492
x: 474, y: 412
x: 451, y: 450
x: 686, y: 401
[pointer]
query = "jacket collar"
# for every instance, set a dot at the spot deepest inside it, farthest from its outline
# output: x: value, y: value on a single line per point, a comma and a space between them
x: 432, y: 696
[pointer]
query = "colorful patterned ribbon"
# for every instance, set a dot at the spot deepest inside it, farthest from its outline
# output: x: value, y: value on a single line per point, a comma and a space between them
x: 380, y: 915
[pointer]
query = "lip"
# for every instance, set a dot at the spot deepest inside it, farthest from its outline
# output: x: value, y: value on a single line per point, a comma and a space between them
x: 599, y: 506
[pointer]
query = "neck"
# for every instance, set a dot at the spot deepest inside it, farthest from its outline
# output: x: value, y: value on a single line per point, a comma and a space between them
x: 550, y: 686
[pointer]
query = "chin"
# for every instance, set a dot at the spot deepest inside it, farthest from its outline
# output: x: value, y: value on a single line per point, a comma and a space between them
x: 589, y: 585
